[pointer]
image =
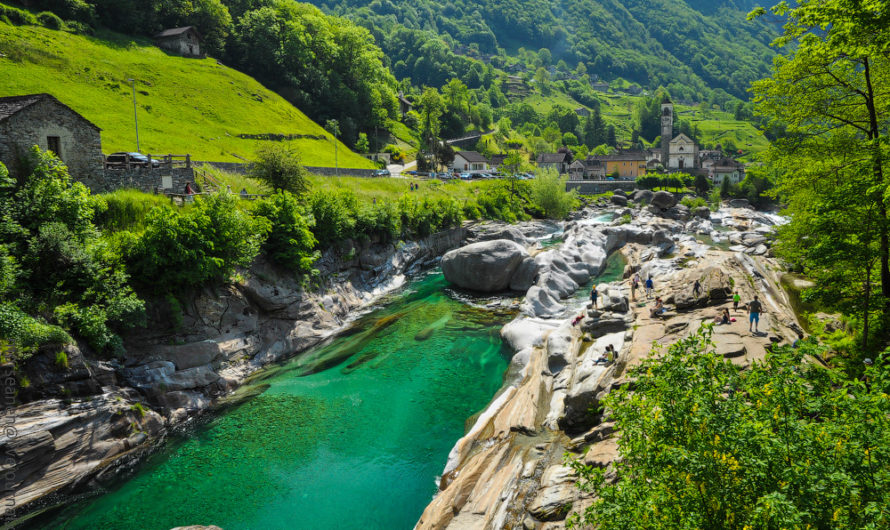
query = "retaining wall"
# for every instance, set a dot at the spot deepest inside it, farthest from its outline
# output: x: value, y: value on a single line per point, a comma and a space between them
x: 594, y: 187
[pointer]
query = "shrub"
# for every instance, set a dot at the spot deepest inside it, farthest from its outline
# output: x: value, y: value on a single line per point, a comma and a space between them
x: 787, y: 443
x: 693, y: 202
x: 380, y: 219
x: 62, y: 360
x: 50, y: 20
x: 290, y: 242
x: 280, y: 167
x: 549, y: 194
x: 25, y: 333
x: 19, y: 17
x: 127, y: 209
x: 335, y: 215
x: 189, y: 249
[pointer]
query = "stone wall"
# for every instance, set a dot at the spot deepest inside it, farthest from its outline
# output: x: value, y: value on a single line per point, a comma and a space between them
x: 142, y: 179
x: 80, y: 142
x: 239, y: 168
x: 594, y: 187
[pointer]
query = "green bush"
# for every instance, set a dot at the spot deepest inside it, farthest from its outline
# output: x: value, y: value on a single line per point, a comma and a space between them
x: 381, y: 220
x: 127, y: 209
x: 422, y: 217
x: 279, y: 166
x: 19, y: 17
x: 50, y: 20
x: 62, y: 360
x: 334, y: 214
x: 549, y: 194
x: 190, y: 249
x: 290, y: 242
x: 693, y: 202
x: 786, y: 443
x: 25, y: 333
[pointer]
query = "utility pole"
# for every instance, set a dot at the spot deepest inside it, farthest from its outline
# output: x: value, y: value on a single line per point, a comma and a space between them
x: 135, y: 117
x: 333, y: 127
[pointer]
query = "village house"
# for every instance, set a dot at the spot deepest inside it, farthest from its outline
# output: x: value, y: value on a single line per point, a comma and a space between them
x: 185, y: 41
x: 44, y: 121
x: 624, y: 164
x: 557, y: 161
x: 469, y: 161
x: 576, y: 170
x: 726, y: 169
x: 594, y: 169
x: 582, y: 111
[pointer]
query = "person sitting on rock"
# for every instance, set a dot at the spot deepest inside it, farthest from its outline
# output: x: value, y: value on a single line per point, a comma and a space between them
x: 658, y: 309
x: 610, y: 353
x: 724, y: 317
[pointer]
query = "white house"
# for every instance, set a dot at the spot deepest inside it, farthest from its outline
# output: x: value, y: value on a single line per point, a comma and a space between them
x: 469, y: 161
x: 683, y: 153
x: 726, y: 168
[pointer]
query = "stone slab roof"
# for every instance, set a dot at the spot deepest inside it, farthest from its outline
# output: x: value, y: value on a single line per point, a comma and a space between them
x: 11, y: 105
x: 552, y: 158
x: 175, y: 32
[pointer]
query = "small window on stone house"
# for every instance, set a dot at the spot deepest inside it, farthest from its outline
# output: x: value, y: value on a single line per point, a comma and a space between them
x: 54, y: 144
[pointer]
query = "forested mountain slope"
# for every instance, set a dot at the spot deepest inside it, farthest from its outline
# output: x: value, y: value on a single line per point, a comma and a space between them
x: 692, y: 46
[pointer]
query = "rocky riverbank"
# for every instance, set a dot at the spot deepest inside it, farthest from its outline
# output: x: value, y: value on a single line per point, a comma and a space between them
x: 508, y: 471
x: 78, y: 426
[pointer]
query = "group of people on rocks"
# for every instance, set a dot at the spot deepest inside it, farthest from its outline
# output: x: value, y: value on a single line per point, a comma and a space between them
x: 754, y: 307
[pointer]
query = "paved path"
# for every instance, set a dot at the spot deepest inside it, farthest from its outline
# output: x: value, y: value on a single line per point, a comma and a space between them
x: 395, y: 170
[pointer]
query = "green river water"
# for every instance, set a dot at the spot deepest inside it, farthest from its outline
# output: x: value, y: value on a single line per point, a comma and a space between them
x: 351, y: 434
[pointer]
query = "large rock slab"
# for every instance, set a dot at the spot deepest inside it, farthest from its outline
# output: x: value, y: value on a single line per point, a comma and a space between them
x: 487, y: 266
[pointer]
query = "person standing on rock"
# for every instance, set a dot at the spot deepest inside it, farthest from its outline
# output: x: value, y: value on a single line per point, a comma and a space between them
x: 593, y: 296
x: 696, y: 289
x: 735, y: 301
x: 754, y: 310
x: 649, y: 287
x: 633, y: 287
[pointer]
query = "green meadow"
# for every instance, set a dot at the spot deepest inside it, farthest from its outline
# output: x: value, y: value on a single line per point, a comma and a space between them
x: 194, y: 106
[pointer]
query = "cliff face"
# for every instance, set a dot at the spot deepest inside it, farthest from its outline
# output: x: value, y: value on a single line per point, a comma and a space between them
x: 75, y: 427
x: 508, y: 471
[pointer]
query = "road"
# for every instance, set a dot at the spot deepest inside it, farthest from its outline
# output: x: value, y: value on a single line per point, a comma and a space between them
x: 395, y: 170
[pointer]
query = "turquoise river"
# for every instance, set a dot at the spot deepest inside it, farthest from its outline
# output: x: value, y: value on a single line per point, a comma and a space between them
x: 348, y: 435
x: 351, y: 434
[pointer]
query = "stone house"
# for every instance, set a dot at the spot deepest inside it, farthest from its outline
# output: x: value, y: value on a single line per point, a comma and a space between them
x: 558, y: 161
x: 576, y: 170
x: 44, y: 121
x: 727, y: 168
x: 583, y: 112
x: 185, y: 41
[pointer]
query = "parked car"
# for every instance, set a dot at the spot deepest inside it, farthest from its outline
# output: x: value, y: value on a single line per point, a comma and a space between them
x: 381, y: 173
x: 465, y: 176
x: 136, y: 159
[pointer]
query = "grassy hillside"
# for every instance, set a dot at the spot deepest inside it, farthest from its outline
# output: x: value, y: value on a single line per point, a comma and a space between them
x: 193, y: 106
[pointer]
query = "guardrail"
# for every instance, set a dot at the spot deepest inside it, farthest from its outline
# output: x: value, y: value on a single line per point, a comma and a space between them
x: 165, y: 162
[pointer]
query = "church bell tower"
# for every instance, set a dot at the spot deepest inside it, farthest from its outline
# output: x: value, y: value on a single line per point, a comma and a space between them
x: 667, y: 131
